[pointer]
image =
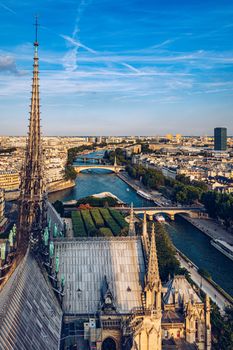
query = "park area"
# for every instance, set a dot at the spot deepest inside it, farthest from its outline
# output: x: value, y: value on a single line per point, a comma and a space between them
x: 98, y: 222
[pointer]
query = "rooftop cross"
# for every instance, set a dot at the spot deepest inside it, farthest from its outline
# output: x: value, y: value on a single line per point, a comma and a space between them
x: 36, y: 26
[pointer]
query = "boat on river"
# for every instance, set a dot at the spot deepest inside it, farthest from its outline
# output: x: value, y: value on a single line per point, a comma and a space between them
x: 223, y: 247
x: 144, y: 195
x: 160, y: 218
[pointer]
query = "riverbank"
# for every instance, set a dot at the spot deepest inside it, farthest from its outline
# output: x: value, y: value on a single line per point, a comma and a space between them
x: 156, y: 197
x: 211, y: 228
x: 60, y: 185
x: 207, y: 226
x: 52, y: 188
x: 218, y: 295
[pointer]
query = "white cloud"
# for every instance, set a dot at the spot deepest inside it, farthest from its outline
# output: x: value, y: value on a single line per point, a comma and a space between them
x: 70, y: 58
x: 8, y: 64
x: 7, y: 8
x: 77, y: 43
x: 131, y: 67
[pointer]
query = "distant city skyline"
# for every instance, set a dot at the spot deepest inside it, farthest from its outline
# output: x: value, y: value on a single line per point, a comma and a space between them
x: 126, y: 68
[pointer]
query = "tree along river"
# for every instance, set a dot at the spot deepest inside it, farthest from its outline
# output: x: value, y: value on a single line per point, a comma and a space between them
x: 189, y: 240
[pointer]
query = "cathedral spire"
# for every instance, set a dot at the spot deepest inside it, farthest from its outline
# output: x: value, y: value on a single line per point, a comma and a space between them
x: 31, y: 188
x: 145, y: 238
x: 131, y: 222
x: 144, y: 228
x: 153, y: 268
x: 153, y: 286
x: 207, y: 322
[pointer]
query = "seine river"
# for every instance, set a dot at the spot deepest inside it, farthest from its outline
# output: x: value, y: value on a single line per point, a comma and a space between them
x: 192, y: 242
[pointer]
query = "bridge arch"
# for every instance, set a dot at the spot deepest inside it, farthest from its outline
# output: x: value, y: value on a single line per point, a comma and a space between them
x: 172, y: 213
x: 112, y: 168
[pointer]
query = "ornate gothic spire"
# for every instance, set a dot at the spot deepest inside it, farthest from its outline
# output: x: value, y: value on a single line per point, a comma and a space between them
x: 153, y: 268
x: 131, y: 222
x: 145, y: 235
x: 31, y: 188
x: 144, y: 228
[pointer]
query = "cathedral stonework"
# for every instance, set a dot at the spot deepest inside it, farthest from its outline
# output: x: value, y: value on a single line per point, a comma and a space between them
x: 134, y: 311
x: 32, y: 198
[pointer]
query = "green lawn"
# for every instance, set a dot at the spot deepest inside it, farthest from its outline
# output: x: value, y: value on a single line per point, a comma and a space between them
x: 118, y: 217
x: 78, y: 224
x: 110, y: 221
x: 88, y: 221
x: 97, y: 217
x: 98, y: 222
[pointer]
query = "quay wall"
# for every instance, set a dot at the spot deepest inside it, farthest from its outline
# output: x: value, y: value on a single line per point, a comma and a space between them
x: 52, y: 187
x: 60, y: 185
x: 207, y: 285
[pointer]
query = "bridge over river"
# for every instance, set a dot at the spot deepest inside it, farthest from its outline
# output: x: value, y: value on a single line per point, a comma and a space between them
x: 114, y: 168
x: 193, y: 212
x: 96, y: 160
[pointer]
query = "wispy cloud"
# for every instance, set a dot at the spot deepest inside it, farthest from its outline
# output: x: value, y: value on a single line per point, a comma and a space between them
x: 164, y: 43
x: 7, y: 8
x: 70, y: 59
x: 77, y: 43
x: 131, y: 67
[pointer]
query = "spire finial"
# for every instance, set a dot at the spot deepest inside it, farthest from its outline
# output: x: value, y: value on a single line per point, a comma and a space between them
x: 36, y: 33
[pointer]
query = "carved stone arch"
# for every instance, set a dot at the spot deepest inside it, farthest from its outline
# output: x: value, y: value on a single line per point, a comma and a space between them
x: 109, y: 343
x: 25, y: 207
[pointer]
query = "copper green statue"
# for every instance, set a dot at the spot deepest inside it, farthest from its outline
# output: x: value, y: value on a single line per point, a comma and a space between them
x: 51, y: 249
x: 63, y: 281
x: 57, y: 264
x: 11, y: 238
x: 46, y: 236
x: 3, y: 251
x: 55, y: 230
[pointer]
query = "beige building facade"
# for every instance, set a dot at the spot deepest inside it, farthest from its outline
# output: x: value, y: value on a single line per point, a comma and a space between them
x: 2, y: 204
x: 9, y: 180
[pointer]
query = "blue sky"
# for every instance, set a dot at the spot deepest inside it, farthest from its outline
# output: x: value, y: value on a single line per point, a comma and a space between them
x: 119, y: 67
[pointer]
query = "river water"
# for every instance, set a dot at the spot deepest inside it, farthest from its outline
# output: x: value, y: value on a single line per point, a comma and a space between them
x: 189, y: 240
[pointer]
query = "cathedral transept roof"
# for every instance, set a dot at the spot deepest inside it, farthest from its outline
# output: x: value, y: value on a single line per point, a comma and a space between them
x: 86, y: 263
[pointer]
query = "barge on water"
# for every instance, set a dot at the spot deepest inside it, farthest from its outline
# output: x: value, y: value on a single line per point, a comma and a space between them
x: 144, y: 195
x: 223, y: 247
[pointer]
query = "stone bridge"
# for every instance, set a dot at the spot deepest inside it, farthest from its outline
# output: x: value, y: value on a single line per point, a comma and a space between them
x: 86, y: 159
x: 193, y: 212
x: 113, y: 168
